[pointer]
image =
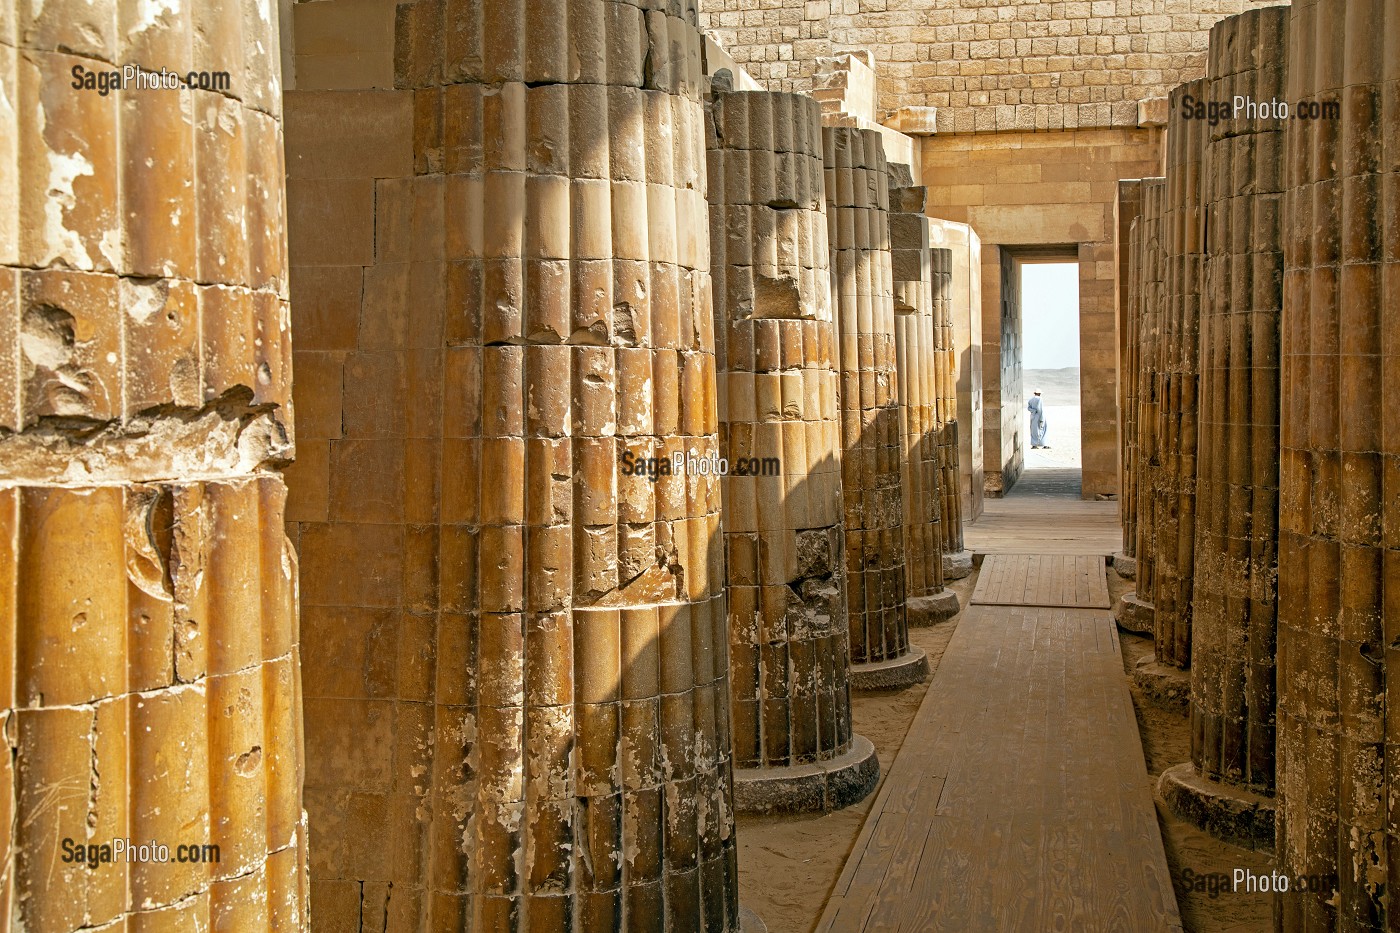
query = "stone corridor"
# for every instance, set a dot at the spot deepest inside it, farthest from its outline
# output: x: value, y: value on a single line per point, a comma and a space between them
x: 455, y: 455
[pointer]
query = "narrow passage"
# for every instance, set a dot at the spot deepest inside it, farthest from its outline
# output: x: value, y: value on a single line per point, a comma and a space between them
x: 1020, y: 800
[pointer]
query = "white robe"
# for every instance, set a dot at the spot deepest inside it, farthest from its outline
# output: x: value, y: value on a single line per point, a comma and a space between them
x: 1038, y: 424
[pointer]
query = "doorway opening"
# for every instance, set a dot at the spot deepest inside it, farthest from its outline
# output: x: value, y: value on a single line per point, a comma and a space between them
x: 1048, y: 288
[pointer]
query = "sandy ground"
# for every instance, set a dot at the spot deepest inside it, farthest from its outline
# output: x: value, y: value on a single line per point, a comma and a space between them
x: 788, y: 864
x: 1060, y: 392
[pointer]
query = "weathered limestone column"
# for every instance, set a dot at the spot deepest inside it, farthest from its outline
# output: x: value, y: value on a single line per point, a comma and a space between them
x: 534, y: 587
x: 789, y: 650
x: 147, y: 593
x: 957, y: 559
x: 1174, y: 489
x: 1134, y: 611
x: 965, y: 358
x: 857, y: 195
x: 1226, y: 786
x: 1126, y: 212
x: 1339, y: 555
x: 915, y: 352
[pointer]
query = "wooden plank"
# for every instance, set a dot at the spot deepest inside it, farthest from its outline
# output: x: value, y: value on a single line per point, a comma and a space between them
x: 1045, y: 526
x: 1020, y: 799
x: 1042, y: 580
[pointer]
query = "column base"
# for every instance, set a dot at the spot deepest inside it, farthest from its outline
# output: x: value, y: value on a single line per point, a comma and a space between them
x: 956, y: 566
x: 1135, y: 615
x: 1124, y: 566
x: 1233, y: 814
x: 1164, y: 685
x: 821, y: 786
x: 911, y: 668
x: 924, y: 611
x: 750, y: 922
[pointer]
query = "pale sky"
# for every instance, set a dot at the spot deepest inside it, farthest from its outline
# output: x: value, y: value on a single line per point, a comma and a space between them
x: 1049, y: 315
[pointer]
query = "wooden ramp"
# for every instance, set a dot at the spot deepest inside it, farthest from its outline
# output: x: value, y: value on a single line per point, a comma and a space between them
x: 1020, y: 800
x: 1071, y: 580
x: 1045, y: 525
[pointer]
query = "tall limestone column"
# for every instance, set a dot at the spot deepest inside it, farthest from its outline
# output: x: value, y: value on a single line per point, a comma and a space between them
x: 518, y: 575
x: 1227, y: 785
x: 150, y: 693
x: 857, y: 195
x: 1127, y: 210
x: 916, y: 364
x: 1174, y: 488
x: 1339, y: 555
x: 789, y: 650
x: 1134, y: 611
x: 957, y: 559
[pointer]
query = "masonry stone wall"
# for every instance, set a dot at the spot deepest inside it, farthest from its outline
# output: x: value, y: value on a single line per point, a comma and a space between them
x: 1038, y: 190
x: 989, y: 66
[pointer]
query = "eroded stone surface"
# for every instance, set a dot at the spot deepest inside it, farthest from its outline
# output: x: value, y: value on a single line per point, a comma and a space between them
x: 515, y: 598
x: 149, y: 603
x: 1226, y: 811
x: 789, y: 654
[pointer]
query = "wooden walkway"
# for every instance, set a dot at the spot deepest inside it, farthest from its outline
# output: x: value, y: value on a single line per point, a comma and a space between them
x: 1042, y: 580
x: 1020, y: 800
x: 1036, y: 524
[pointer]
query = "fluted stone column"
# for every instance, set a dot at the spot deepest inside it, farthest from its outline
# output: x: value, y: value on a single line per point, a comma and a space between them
x: 957, y: 559
x: 1134, y: 610
x: 533, y: 708
x: 1339, y: 556
x: 1227, y: 785
x: 150, y: 694
x: 857, y: 195
x: 789, y: 653
x: 911, y: 264
x: 1127, y: 210
x: 1174, y: 486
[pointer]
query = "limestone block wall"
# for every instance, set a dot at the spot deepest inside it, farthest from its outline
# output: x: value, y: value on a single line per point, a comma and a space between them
x: 1174, y: 484
x: 1127, y: 296
x: 857, y: 192
x: 946, y: 406
x: 519, y: 717
x: 147, y: 589
x: 1338, y: 569
x: 1012, y: 65
x: 1149, y: 272
x: 1236, y: 550
x: 1047, y: 190
x: 911, y: 266
x: 784, y: 541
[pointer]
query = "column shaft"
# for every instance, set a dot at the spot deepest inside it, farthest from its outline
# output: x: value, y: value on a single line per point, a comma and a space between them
x: 1174, y: 491
x: 1339, y: 557
x: 151, y: 689
x: 784, y: 541
x: 857, y: 195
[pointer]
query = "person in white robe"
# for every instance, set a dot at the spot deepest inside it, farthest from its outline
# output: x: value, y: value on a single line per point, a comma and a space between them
x: 1038, y: 424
